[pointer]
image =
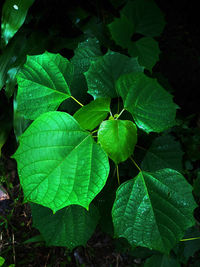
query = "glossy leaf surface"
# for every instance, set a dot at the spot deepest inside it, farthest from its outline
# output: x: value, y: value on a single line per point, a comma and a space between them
x: 118, y: 138
x: 91, y: 115
x: 69, y: 227
x: 59, y: 164
x: 104, y: 72
x: 154, y: 209
x: 164, y: 152
x: 43, y: 84
x: 146, y: 17
x: 150, y: 105
x: 147, y: 51
x: 13, y: 16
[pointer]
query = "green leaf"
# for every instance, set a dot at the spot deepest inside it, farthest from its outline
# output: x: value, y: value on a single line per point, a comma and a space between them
x: 43, y: 84
x: 150, y: 105
x: 12, y: 57
x: 146, y: 17
x: 13, y: 16
x: 118, y: 138
x: 104, y: 72
x: 91, y: 115
x: 59, y: 164
x: 164, y: 152
x: 2, y: 260
x: 154, y: 209
x: 69, y: 227
x: 121, y: 30
x: 161, y: 261
x: 85, y: 53
x: 147, y: 51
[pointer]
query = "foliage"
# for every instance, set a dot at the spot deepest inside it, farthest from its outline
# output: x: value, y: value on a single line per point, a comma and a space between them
x: 74, y: 116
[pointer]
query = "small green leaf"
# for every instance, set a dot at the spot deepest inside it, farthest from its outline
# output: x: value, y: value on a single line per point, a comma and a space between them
x: 104, y: 72
x: 118, y: 139
x: 91, y: 115
x: 146, y: 17
x: 121, y: 30
x: 150, y: 105
x: 154, y: 209
x: 147, y: 51
x: 43, y: 84
x: 164, y: 152
x: 13, y: 16
x: 59, y: 164
x: 161, y: 261
x: 2, y: 260
x: 69, y: 227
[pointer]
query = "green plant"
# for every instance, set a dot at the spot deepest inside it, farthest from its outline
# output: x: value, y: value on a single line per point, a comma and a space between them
x: 81, y: 165
x: 61, y: 165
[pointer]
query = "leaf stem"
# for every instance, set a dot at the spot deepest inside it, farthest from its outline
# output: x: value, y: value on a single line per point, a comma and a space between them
x: 135, y: 164
x: 77, y: 101
x: 120, y: 114
x: 117, y: 168
x: 188, y: 239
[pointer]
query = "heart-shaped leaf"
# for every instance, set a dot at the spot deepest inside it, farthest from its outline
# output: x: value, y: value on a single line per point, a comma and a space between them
x: 118, y: 138
x: 70, y: 227
x: 43, y: 84
x: 154, y: 209
x: 104, y: 72
x: 59, y: 164
x: 164, y: 152
x: 150, y: 105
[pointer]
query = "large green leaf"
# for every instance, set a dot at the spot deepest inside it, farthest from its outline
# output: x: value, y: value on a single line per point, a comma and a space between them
x: 154, y: 209
x: 70, y: 227
x: 150, y: 105
x: 121, y: 30
x: 161, y: 261
x: 43, y: 84
x: 91, y: 115
x: 147, y: 51
x: 164, y: 152
x: 118, y: 138
x: 146, y: 17
x: 59, y: 164
x: 13, y: 16
x: 104, y: 72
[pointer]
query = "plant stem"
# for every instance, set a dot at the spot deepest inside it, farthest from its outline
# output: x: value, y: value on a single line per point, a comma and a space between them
x: 188, y: 239
x: 77, y: 101
x: 120, y: 114
x: 135, y: 164
x: 117, y: 168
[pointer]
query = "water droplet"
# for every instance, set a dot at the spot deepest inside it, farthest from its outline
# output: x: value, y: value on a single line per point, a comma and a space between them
x: 15, y: 7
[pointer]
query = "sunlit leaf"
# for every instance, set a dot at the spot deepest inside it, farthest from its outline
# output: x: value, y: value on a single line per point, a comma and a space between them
x: 91, y: 115
x: 43, y: 84
x: 118, y: 138
x: 59, y: 164
x: 154, y: 209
